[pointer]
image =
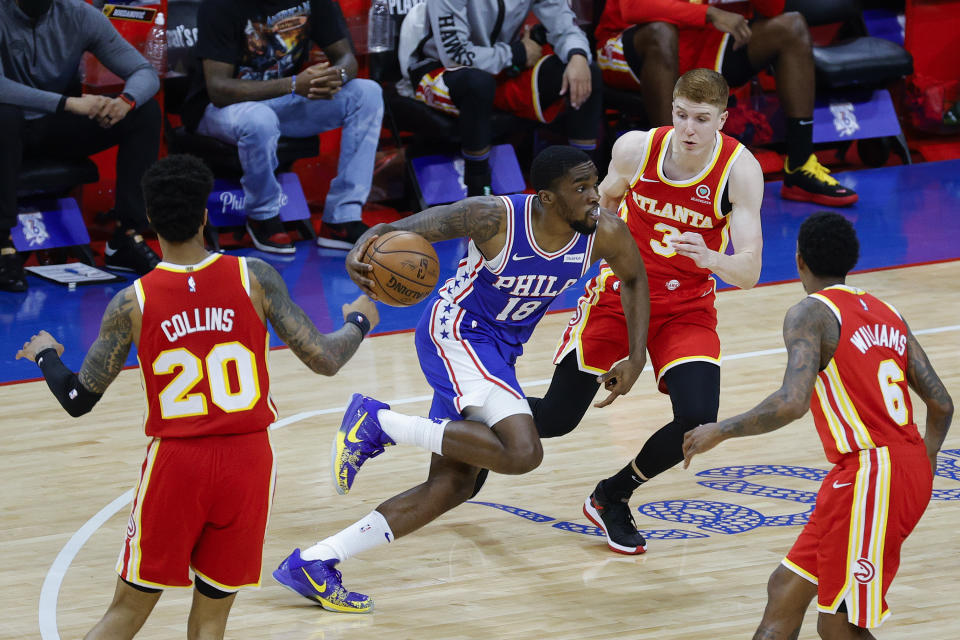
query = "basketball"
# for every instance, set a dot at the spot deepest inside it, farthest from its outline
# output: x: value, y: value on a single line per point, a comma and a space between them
x: 405, y: 268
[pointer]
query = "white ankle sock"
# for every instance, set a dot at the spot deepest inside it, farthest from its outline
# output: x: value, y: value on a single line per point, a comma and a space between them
x: 404, y: 429
x: 368, y: 532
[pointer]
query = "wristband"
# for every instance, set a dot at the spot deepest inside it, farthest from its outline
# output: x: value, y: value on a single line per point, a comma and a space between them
x: 293, y: 84
x: 126, y: 97
x: 43, y: 353
x: 62, y: 105
x: 360, y: 320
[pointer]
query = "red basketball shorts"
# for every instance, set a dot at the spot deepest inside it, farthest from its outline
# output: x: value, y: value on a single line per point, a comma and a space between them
x: 681, y: 330
x: 867, y: 505
x: 202, y: 504
x: 517, y: 95
x: 696, y: 48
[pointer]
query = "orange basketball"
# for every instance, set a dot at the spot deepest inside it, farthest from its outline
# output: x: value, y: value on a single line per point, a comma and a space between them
x: 405, y: 268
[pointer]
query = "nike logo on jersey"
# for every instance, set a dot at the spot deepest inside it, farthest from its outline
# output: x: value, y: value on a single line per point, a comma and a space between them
x: 516, y: 257
x: 642, y: 179
x: 840, y: 485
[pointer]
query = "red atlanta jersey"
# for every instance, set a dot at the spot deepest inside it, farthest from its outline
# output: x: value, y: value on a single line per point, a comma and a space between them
x: 861, y: 400
x: 203, y: 350
x: 658, y: 209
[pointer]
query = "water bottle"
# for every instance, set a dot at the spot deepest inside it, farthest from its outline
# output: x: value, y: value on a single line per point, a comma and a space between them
x: 155, y: 47
x: 379, y: 28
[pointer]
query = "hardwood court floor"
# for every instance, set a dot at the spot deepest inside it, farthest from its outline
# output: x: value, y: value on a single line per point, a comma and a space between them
x: 480, y: 571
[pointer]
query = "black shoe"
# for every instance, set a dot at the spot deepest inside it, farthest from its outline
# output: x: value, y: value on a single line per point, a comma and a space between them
x: 129, y: 252
x: 341, y: 236
x: 616, y: 521
x: 269, y: 235
x: 812, y: 182
x: 12, y: 277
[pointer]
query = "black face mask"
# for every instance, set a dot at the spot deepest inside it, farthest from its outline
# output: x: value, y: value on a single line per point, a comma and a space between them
x: 35, y: 8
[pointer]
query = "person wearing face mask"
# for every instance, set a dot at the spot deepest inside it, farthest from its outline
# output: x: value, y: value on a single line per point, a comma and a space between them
x: 43, y: 114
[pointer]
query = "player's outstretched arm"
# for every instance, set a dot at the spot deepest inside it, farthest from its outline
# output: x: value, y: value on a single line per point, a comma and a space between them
x: 480, y: 219
x: 616, y: 245
x: 924, y: 380
x: 324, y: 353
x: 742, y: 269
x: 625, y: 158
x: 805, y: 330
x: 79, y: 393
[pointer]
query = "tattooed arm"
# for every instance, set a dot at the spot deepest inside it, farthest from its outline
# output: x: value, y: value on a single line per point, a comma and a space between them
x: 924, y: 380
x: 324, y: 353
x: 79, y: 393
x: 481, y: 219
x: 810, y: 333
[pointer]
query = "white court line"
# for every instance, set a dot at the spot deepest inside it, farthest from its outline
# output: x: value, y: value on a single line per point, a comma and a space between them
x: 50, y: 591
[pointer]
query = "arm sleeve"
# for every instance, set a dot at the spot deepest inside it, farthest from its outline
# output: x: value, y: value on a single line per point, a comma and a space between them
x: 325, y: 23
x: 65, y: 384
x: 451, y: 33
x: 678, y: 12
x: 216, y: 39
x: 562, y: 30
x: 118, y: 55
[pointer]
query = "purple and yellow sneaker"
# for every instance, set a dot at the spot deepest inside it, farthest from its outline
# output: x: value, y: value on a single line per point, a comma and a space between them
x: 358, y: 439
x: 319, y: 582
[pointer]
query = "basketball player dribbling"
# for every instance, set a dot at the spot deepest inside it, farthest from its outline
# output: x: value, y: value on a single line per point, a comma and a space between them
x: 199, y: 323
x: 684, y: 192
x: 523, y: 251
x: 850, y: 358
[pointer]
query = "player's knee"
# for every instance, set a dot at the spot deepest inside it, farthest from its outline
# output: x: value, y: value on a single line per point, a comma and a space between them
x: 792, y: 30
x: 259, y: 122
x: 524, y: 457
x: 658, y: 41
x: 476, y: 86
x: 367, y: 93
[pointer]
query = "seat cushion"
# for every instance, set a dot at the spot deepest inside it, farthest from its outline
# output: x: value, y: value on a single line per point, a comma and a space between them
x: 862, y: 61
x: 53, y: 175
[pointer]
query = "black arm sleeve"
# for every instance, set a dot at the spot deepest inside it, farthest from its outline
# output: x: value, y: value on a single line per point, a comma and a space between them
x: 65, y: 384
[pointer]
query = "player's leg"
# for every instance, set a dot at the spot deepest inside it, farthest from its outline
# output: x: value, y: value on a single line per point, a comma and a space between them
x: 472, y: 91
x: 127, y: 612
x: 695, y: 394
x: 209, y: 611
x: 788, y: 596
x: 567, y: 399
x: 784, y: 41
x: 651, y: 52
x: 835, y: 626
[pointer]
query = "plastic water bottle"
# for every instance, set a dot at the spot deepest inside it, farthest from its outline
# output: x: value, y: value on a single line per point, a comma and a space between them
x: 155, y: 47
x: 379, y: 28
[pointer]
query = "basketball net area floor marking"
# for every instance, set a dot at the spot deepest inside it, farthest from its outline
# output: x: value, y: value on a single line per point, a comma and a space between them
x: 50, y: 591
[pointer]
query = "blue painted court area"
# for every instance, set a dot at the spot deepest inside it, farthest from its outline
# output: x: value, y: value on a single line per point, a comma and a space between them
x: 906, y: 215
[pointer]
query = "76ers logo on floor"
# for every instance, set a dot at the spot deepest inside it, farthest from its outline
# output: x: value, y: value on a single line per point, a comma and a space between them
x: 865, y: 571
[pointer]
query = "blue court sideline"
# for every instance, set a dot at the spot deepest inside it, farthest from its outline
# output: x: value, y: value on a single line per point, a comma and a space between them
x: 906, y: 215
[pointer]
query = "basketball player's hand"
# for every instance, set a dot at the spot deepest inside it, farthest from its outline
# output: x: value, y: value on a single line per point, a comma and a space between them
x: 358, y: 270
x: 729, y: 22
x: 703, y: 438
x: 619, y: 380
x: 322, y: 81
x: 111, y: 112
x: 363, y: 304
x: 38, y: 343
x: 691, y: 245
x: 576, y: 79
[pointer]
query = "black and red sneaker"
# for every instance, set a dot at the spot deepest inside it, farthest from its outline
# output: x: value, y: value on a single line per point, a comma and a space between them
x: 341, y: 235
x: 613, y: 517
x: 812, y: 182
x: 269, y: 235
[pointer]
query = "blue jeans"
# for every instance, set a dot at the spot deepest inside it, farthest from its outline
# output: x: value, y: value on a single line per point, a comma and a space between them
x: 255, y: 128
